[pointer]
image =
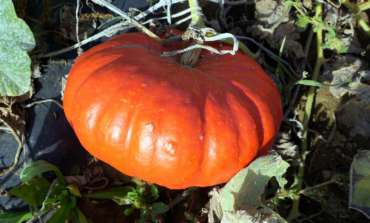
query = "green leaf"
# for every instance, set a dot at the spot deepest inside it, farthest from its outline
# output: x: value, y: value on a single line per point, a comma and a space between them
x: 311, y: 83
x: 359, y: 198
x: 33, y: 192
x: 37, y: 168
x: 289, y: 3
x: 134, y: 198
x: 303, y: 21
x: 15, y: 217
x: 16, y: 39
x: 129, y: 211
x: 333, y: 42
x: 154, y: 193
x: 118, y: 194
x: 159, y: 208
x: 144, y: 216
x: 247, y: 187
x: 73, y: 189
x: 56, y: 193
x: 80, y: 217
x: 64, y: 211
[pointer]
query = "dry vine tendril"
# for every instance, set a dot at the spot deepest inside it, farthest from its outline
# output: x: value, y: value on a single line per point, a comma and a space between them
x: 20, y: 140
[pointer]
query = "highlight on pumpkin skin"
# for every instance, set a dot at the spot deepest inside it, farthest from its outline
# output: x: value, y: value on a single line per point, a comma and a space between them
x: 151, y: 118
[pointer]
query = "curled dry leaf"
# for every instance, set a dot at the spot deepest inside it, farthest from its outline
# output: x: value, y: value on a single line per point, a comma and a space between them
x: 241, y: 197
x: 275, y: 26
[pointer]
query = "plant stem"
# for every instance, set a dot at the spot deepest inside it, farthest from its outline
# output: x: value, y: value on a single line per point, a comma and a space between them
x: 351, y: 6
x: 181, y: 197
x: 357, y: 9
x: 308, y: 111
x: 190, y: 58
x: 43, y: 101
x: 363, y: 6
x: 19, y: 139
x: 196, y: 14
x: 363, y: 24
x: 331, y: 181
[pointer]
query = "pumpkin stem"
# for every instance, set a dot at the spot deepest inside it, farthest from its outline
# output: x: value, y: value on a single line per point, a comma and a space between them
x: 191, y: 58
x: 196, y: 14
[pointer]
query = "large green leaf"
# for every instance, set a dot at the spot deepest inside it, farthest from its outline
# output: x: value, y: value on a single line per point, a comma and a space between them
x: 360, y: 183
x: 32, y: 192
x: 67, y: 205
x: 244, y: 191
x: 247, y: 187
x: 57, y: 192
x: 37, y: 168
x: 15, y: 217
x: 159, y: 208
x: 16, y: 39
x: 80, y: 217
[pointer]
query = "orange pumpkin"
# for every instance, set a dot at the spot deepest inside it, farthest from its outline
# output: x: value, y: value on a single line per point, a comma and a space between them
x: 152, y: 118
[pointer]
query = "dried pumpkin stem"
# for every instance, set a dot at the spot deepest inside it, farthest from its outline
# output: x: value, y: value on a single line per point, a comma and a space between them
x: 308, y: 111
x: 190, y: 58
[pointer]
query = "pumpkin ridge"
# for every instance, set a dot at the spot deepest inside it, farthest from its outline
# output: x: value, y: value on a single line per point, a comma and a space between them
x: 256, y: 121
x: 76, y: 106
x: 224, y: 80
x: 97, y: 135
x: 98, y: 73
x: 235, y: 126
x: 111, y: 45
x: 116, y: 103
x: 255, y: 111
x: 86, y: 58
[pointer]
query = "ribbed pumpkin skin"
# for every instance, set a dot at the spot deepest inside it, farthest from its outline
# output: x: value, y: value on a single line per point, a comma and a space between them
x: 175, y: 126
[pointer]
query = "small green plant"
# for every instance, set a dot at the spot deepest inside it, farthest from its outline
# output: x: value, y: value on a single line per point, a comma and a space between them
x: 304, y: 19
x: 55, y: 201
x: 141, y: 197
x: 326, y: 38
x: 52, y: 200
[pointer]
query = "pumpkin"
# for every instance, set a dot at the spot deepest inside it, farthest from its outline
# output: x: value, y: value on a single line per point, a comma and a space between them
x: 152, y: 118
